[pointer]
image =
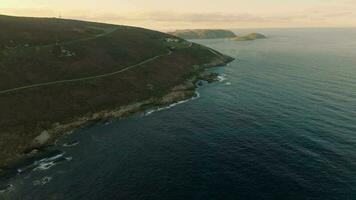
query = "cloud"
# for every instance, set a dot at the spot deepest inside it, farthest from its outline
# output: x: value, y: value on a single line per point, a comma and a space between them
x: 196, y: 18
x: 339, y: 14
x: 202, y: 17
x: 35, y: 12
x: 177, y: 17
x: 317, y: 16
x: 161, y: 16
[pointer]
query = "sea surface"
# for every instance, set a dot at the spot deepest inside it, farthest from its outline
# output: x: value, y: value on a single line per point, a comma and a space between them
x: 281, y: 124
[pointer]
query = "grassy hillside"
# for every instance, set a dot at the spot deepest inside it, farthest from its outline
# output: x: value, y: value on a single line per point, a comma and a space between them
x: 203, y: 34
x: 55, y: 71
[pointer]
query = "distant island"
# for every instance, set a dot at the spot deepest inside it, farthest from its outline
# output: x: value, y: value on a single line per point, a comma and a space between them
x: 203, y: 34
x: 215, y: 34
x: 58, y: 75
x: 248, y: 37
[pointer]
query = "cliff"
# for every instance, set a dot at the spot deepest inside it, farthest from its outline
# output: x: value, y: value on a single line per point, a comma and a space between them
x: 58, y: 75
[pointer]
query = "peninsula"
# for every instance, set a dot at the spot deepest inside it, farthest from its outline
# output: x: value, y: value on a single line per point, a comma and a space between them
x: 248, y: 37
x: 203, y: 34
x: 58, y: 75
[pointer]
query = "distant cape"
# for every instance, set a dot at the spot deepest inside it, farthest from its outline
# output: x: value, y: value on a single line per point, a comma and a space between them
x: 251, y: 36
x: 203, y: 34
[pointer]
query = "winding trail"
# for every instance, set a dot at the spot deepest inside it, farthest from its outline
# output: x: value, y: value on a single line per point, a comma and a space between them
x: 86, y: 78
x: 106, y: 32
x: 89, y: 77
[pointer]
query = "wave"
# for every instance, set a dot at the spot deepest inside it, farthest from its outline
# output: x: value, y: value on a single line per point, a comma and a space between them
x: 69, y: 158
x: 149, y: 112
x: 45, y: 163
x: 43, y: 181
x: 7, y: 188
x: 71, y: 144
x: 222, y: 78
x: 48, y: 163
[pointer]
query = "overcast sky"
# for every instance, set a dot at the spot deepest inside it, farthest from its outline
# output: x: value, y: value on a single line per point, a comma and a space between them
x: 178, y: 14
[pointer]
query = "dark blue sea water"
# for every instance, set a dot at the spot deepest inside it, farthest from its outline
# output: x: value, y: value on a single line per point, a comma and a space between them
x: 281, y: 126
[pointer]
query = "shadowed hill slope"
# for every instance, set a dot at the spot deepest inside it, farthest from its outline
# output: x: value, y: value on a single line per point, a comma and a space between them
x: 59, y: 74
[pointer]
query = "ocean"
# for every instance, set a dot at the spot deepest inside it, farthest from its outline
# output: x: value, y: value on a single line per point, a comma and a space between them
x: 281, y: 124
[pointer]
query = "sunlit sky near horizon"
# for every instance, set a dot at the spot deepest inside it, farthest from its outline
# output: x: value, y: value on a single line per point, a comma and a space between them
x: 180, y: 14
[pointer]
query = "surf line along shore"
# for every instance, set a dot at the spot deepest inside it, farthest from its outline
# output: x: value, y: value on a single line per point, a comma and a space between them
x: 178, y: 94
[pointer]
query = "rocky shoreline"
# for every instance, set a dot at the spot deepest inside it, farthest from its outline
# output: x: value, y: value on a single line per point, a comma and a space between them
x: 49, y: 137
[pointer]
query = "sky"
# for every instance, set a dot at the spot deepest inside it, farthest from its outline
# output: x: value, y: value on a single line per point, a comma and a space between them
x: 186, y: 14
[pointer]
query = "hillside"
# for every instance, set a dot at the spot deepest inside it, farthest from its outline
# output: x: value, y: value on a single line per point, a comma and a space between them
x: 203, y: 34
x: 59, y: 74
x: 248, y: 37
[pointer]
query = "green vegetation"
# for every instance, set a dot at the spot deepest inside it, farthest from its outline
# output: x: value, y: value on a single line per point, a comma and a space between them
x: 58, y: 74
x: 203, y: 34
x: 251, y: 36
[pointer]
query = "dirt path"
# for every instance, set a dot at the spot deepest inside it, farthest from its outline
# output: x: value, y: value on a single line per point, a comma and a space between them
x: 85, y: 78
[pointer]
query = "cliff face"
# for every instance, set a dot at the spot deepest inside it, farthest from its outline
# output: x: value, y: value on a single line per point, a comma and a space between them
x: 203, y: 34
x: 62, y: 74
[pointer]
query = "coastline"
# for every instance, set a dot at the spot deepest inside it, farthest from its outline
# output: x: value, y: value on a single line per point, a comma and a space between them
x: 47, y: 138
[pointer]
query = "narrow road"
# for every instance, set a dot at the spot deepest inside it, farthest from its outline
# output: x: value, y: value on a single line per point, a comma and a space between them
x: 85, y: 78
x: 89, y: 77
x: 106, y: 32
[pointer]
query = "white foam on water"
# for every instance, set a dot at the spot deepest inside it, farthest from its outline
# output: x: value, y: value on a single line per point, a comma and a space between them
x: 47, y: 163
x: 43, y: 181
x: 228, y: 83
x: 45, y: 166
x: 53, y: 158
x: 222, y: 78
x: 8, y: 188
x: 71, y: 144
x: 69, y: 158
x: 36, y: 183
x: 197, y: 95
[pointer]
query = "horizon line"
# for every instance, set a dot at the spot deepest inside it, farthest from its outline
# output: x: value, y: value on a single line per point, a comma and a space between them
x: 162, y: 29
